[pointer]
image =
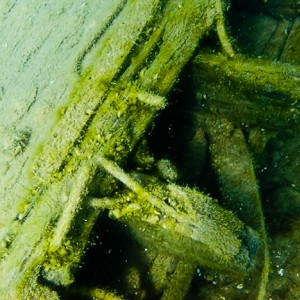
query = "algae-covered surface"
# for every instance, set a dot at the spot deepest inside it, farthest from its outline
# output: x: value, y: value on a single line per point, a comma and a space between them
x: 149, y: 149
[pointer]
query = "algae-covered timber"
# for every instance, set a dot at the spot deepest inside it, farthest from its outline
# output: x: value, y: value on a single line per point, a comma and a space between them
x: 70, y: 178
x: 108, y: 111
x: 255, y: 92
x: 183, y: 221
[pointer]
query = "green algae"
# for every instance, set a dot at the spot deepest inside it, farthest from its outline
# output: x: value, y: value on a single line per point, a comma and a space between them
x: 109, y: 110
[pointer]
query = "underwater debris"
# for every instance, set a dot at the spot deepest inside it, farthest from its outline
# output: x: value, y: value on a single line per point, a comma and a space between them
x: 109, y: 112
x: 183, y: 221
x: 255, y: 92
